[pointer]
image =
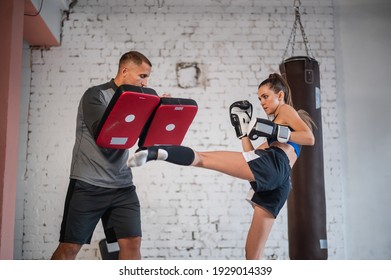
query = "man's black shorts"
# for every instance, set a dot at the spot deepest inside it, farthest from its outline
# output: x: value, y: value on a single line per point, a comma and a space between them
x: 86, y: 204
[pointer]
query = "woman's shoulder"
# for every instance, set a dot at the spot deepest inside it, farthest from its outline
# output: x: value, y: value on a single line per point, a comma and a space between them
x: 286, y: 109
x: 286, y: 114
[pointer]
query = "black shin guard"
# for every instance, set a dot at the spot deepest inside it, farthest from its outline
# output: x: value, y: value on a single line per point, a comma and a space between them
x: 152, y: 153
x: 179, y: 154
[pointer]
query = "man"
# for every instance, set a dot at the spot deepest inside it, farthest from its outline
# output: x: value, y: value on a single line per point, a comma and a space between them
x: 101, y: 185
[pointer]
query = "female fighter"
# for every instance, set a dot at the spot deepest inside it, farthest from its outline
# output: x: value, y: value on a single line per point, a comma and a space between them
x: 267, y: 167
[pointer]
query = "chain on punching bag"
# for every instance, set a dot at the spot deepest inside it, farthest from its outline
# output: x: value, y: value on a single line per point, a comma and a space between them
x: 307, y: 231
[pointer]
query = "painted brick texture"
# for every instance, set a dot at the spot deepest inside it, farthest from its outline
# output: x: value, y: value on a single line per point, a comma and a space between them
x: 187, y: 213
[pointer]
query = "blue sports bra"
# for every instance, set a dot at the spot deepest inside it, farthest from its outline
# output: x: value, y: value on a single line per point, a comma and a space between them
x: 295, y: 146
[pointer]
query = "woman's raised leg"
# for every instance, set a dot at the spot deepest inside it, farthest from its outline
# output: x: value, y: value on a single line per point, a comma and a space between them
x: 230, y: 163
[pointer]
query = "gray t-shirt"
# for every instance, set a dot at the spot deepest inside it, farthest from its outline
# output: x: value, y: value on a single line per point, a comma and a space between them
x: 90, y: 163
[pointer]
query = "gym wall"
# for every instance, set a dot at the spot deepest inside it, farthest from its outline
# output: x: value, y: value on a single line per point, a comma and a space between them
x: 187, y: 213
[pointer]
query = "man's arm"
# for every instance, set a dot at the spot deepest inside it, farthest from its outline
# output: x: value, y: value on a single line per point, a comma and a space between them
x: 93, y: 105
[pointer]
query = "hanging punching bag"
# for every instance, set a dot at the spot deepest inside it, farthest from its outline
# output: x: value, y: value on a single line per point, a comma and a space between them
x: 307, y: 231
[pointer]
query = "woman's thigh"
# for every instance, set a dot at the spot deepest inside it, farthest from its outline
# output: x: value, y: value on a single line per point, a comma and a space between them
x: 230, y: 163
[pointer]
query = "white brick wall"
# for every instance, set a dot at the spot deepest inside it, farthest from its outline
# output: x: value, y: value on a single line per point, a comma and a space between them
x: 186, y: 212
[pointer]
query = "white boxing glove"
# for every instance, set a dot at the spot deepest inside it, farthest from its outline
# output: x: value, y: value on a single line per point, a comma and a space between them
x: 240, y: 114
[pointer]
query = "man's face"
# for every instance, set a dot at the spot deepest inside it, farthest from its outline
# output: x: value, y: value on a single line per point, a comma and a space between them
x: 136, y: 75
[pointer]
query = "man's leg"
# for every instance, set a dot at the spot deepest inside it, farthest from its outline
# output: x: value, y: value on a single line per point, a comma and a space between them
x: 129, y: 248
x: 66, y: 251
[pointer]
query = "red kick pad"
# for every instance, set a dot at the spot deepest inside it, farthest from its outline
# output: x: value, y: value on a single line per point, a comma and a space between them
x: 170, y: 122
x: 125, y: 117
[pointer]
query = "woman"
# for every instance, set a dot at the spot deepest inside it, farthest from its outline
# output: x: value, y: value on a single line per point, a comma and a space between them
x: 267, y: 167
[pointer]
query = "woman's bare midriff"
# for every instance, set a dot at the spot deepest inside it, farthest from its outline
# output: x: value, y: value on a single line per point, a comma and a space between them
x: 289, y: 151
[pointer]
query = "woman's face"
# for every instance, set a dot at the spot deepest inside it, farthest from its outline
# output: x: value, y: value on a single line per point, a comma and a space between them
x: 269, y: 100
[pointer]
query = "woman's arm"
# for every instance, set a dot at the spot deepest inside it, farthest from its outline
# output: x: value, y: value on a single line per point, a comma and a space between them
x: 248, y: 146
x: 301, y: 133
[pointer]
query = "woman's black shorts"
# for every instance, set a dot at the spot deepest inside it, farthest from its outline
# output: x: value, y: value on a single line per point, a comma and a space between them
x: 272, y: 184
